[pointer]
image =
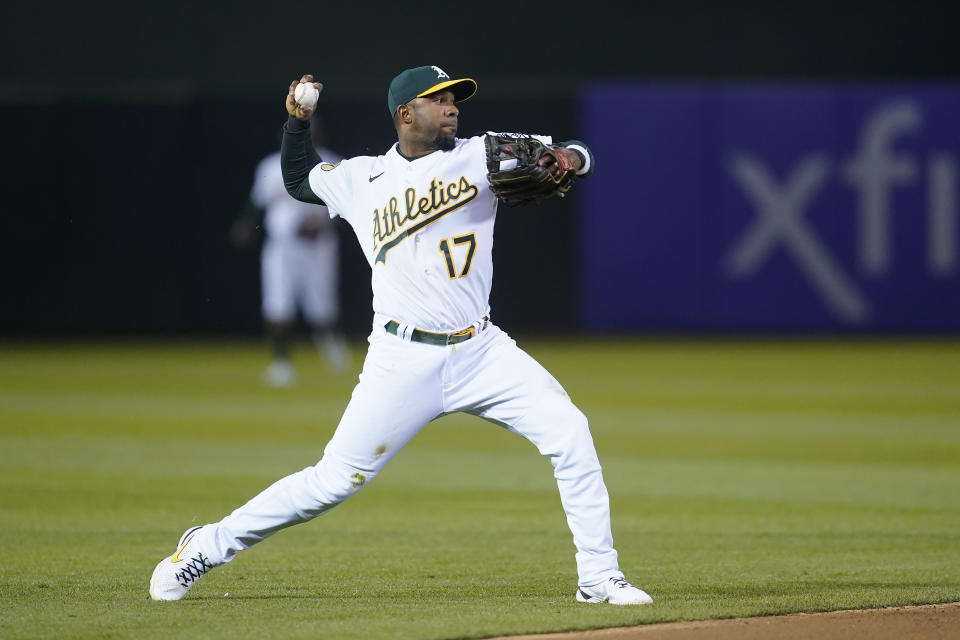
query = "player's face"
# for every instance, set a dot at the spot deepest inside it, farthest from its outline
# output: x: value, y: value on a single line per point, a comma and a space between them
x: 435, y: 119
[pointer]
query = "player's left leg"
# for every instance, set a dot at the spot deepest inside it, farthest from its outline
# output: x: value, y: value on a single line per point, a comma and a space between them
x: 279, y: 308
x: 319, y: 297
x: 397, y: 394
x: 501, y: 383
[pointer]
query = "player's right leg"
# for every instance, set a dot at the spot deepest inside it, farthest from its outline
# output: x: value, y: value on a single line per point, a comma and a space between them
x: 513, y: 389
x: 398, y: 393
x: 318, y: 297
x: 280, y: 371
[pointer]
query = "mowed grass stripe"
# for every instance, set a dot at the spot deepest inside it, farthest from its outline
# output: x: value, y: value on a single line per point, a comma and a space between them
x: 421, y: 467
x: 168, y: 406
x: 745, y: 478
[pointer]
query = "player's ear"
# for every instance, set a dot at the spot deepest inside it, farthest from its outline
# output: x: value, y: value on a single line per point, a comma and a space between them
x: 405, y: 113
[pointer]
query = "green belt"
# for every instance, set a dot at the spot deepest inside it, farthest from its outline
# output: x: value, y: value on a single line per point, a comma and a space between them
x: 441, y: 339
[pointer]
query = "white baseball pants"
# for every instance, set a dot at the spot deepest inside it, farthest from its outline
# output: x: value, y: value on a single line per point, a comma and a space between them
x: 403, y: 386
x: 295, y: 272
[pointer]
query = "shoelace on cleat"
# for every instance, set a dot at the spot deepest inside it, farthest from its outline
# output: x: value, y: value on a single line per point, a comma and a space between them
x: 620, y: 583
x: 193, y: 569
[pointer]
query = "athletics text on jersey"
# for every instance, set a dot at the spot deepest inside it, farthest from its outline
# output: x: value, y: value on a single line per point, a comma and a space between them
x: 425, y: 227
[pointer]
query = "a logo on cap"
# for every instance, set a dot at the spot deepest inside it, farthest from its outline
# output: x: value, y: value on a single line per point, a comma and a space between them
x: 440, y: 72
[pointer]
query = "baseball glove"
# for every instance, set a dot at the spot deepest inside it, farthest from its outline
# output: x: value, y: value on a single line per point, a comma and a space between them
x: 522, y: 169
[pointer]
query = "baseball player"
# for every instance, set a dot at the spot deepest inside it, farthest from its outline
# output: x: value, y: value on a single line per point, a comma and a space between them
x: 423, y: 213
x: 298, y: 267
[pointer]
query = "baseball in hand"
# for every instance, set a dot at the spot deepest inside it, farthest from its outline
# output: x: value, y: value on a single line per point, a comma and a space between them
x: 306, y: 94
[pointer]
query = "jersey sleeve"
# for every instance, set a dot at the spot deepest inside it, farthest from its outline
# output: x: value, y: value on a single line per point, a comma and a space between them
x: 332, y: 183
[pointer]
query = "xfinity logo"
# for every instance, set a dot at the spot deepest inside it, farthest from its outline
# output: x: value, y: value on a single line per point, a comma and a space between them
x: 874, y: 171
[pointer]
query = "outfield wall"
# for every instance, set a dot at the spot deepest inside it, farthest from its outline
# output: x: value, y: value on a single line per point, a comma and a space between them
x: 132, y: 131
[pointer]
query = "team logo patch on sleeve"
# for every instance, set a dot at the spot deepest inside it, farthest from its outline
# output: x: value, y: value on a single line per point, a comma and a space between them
x: 326, y: 166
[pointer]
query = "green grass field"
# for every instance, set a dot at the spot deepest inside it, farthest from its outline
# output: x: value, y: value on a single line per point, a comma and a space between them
x: 746, y: 478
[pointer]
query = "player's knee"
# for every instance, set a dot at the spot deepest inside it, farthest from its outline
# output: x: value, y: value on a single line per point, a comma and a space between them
x: 568, y: 442
x: 336, y: 480
x: 572, y: 425
x: 577, y: 452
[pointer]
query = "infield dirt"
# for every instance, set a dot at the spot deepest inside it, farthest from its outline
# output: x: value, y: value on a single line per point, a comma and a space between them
x: 927, y: 622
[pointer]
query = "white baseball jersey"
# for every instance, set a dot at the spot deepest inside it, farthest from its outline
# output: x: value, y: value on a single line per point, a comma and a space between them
x: 294, y: 271
x: 426, y: 228
x: 283, y: 212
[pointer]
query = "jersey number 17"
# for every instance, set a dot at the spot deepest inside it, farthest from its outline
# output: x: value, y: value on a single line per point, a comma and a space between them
x: 469, y: 239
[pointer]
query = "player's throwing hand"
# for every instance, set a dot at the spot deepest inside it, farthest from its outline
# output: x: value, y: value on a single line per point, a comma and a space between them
x: 294, y: 108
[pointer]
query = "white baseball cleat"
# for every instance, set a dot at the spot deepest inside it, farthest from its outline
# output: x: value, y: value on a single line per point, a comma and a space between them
x: 175, y: 574
x: 280, y: 374
x: 615, y: 591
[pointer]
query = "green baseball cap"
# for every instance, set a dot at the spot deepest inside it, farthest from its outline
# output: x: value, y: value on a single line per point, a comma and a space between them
x: 421, y: 81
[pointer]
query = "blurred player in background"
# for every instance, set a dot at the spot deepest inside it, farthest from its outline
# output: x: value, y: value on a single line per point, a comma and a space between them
x: 298, y: 265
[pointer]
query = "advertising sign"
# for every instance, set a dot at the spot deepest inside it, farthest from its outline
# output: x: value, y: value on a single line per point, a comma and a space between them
x: 771, y: 208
